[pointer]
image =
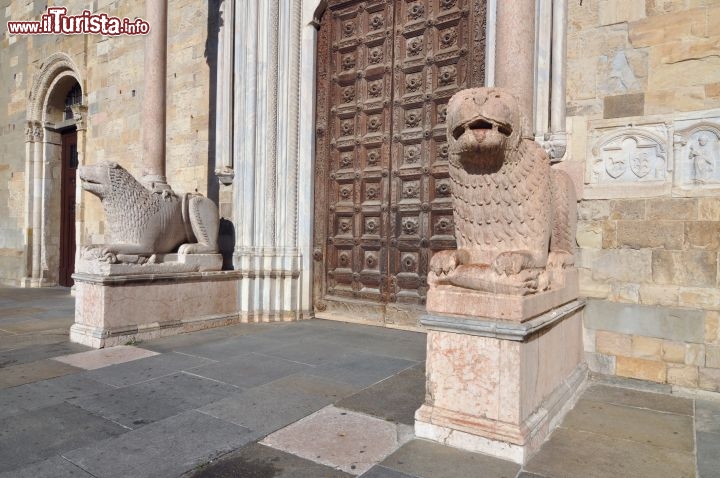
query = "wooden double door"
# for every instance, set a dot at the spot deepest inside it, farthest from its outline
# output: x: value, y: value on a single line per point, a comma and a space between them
x: 69, y: 159
x: 386, y: 70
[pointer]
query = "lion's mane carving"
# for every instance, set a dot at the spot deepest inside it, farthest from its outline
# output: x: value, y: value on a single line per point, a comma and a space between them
x: 143, y: 222
x: 514, y: 216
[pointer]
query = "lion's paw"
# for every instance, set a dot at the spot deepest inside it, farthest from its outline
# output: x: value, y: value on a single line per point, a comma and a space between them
x: 511, y: 262
x: 444, y: 262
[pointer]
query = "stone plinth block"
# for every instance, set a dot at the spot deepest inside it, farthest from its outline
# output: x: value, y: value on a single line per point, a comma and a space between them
x: 500, y: 387
x: 452, y: 300
x: 114, y: 310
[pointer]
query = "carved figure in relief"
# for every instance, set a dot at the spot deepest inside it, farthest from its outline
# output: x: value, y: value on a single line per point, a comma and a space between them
x: 143, y: 222
x: 702, y: 160
x: 514, y: 216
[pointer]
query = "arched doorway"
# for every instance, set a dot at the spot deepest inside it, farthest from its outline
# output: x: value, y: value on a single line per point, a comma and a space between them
x: 385, y: 71
x: 54, y: 148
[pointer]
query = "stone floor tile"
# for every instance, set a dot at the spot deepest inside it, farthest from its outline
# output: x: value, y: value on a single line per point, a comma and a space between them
x: 166, y: 448
x: 665, y: 430
x: 429, y: 459
x: 92, y: 359
x: 37, y: 325
x: 347, y: 440
x: 274, y: 405
x: 394, y: 399
x: 45, y: 393
x: 258, y: 461
x: 230, y: 348
x: 634, y: 398
x: 707, y: 416
x: 141, y: 370
x: 573, y: 453
x: 55, y: 467
x: 526, y: 474
x: 250, y: 370
x: 290, y: 333
x: 202, y: 337
x: 39, y: 434
x: 34, y: 353
x: 33, y: 372
x: 362, y: 369
x: 46, y: 337
x: 312, y: 351
x: 708, y: 455
x: 137, y: 405
x: 379, y: 471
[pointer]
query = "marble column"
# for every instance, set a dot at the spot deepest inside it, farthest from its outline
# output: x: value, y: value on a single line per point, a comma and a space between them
x: 515, y: 54
x: 37, y: 181
x: 224, y: 101
x: 154, y: 98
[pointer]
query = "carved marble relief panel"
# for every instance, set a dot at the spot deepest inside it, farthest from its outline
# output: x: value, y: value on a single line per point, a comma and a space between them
x: 697, y: 155
x: 628, y: 161
x: 386, y: 70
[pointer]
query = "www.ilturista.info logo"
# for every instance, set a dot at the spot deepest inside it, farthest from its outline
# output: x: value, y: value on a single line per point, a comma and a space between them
x: 57, y: 22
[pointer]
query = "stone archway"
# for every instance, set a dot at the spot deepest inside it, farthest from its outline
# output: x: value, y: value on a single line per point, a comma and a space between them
x: 48, y: 118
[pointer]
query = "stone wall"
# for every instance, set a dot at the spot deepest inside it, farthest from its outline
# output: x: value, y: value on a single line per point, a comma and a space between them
x: 111, y: 70
x: 643, y: 93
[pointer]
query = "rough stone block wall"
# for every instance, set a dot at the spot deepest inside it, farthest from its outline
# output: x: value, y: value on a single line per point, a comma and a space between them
x: 643, y: 86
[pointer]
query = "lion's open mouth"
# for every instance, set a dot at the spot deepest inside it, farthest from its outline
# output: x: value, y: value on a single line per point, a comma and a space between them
x: 481, y: 124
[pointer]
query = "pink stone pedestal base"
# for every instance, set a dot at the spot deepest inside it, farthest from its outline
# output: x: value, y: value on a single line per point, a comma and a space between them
x: 114, y: 310
x: 500, y: 387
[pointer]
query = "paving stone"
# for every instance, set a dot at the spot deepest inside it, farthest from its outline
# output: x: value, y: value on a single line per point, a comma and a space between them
x: 258, y: 461
x: 137, y: 405
x: 659, y: 429
x: 55, y: 467
x: 707, y: 416
x: 250, y: 370
x: 14, y: 341
x: 293, y: 332
x: 37, y: 352
x: 573, y: 453
x: 39, y: 434
x: 383, y: 341
x: 33, y: 372
x: 166, y: 448
x: 145, y: 369
x: 38, y: 325
x: 311, y: 351
x: 347, y: 440
x: 45, y: 393
x: 395, y: 399
x: 708, y: 454
x: 233, y: 347
x: 429, y: 459
x: 635, y: 398
x: 362, y: 369
x: 93, y: 359
x: 379, y: 471
x: 274, y: 405
x: 525, y: 474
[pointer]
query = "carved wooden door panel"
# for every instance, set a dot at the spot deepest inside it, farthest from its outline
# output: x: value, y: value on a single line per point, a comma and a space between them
x: 68, y: 170
x: 386, y: 70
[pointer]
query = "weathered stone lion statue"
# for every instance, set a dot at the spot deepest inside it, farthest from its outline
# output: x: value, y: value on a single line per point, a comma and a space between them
x: 514, y: 216
x: 143, y: 222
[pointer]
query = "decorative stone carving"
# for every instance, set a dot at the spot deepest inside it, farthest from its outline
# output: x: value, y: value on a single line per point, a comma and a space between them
x: 697, y: 156
x: 624, y: 161
x: 514, y: 217
x: 143, y: 222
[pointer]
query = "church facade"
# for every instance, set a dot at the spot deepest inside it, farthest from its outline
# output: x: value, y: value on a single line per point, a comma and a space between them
x: 318, y: 127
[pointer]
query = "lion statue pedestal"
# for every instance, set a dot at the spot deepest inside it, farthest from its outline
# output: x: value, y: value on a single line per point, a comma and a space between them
x: 505, y: 355
x: 160, y: 273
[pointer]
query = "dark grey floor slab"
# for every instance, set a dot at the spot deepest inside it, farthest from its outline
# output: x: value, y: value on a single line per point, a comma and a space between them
x: 258, y: 461
x: 201, y: 337
x: 16, y: 375
x: 297, y: 331
x: 45, y: 393
x: 665, y: 430
x: 38, y: 352
x: 526, y: 474
x: 708, y: 455
x: 573, y: 454
x: 394, y: 399
x: 39, y: 434
x: 379, y: 471
x: 428, y: 459
x: 311, y: 351
x: 166, y: 448
x: 229, y: 348
x: 141, y: 370
x: 55, y: 467
x: 362, y: 369
x: 269, y: 407
x: 137, y: 405
x: 635, y: 398
x: 250, y: 370
x: 707, y: 416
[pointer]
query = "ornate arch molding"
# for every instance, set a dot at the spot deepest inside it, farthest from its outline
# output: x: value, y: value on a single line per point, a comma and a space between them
x: 42, y: 145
